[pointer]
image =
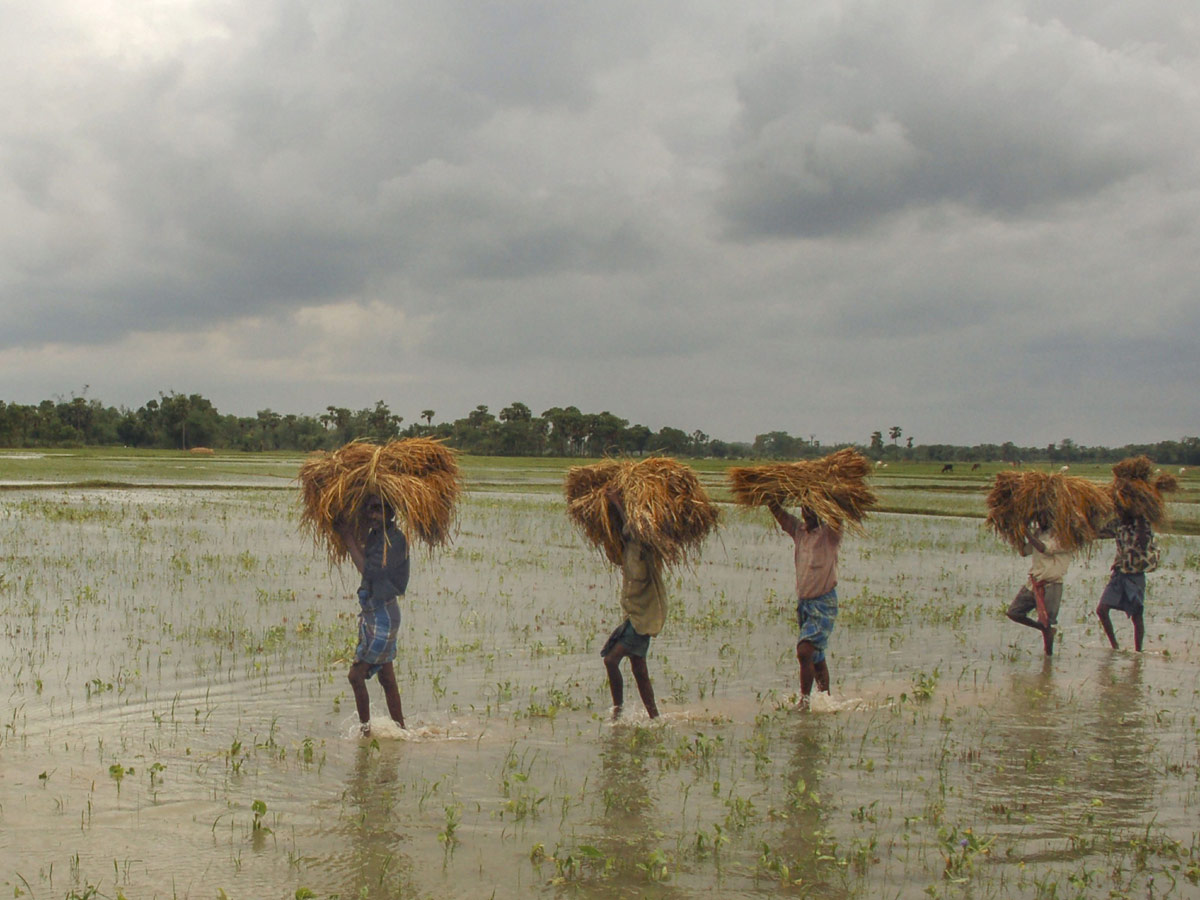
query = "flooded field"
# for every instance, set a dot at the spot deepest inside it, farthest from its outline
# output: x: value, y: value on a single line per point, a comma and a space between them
x: 176, y: 721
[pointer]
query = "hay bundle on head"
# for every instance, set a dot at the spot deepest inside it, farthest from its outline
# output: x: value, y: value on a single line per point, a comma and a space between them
x: 834, y: 488
x: 417, y: 477
x: 1074, y: 508
x: 1135, y: 494
x: 665, y: 505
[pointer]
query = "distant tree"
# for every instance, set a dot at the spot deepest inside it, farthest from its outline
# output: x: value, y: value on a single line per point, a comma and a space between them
x: 479, y: 416
x: 520, y: 434
x: 894, y: 433
x: 565, y: 429
x: 379, y: 424
x: 604, y: 432
x: 877, y: 441
x: 516, y: 412
x: 636, y: 438
x: 778, y: 445
x: 187, y: 420
x: 339, y: 422
x: 670, y: 440
x: 427, y: 415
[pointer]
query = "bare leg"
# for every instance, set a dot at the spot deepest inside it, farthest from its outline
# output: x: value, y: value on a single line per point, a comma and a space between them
x: 821, y: 673
x: 641, y: 675
x: 808, y: 674
x: 1106, y: 624
x: 1048, y: 639
x: 1139, y: 631
x: 362, y: 701
x: 387, y: 678
x: 1026, y: 621
x: 612, y: 663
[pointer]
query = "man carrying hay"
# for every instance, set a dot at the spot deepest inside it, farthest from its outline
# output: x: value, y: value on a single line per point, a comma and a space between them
x: 644, y: 603
x: 351, y: 498
x: 832, y: 494
x: 1043, y: 591
x: 1139, y: 506
x: 383, y: 561
x: 816, y: 592
x: 643, y: 515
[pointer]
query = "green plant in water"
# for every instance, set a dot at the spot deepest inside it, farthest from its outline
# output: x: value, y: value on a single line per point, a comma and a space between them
x: 259, y: 808
x: 453, y: 816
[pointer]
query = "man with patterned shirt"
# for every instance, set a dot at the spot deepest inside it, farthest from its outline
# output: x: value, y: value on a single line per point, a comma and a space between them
x: 1126, y: 588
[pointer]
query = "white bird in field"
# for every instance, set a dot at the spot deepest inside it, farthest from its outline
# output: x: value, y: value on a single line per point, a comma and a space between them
x: 1064, y: 468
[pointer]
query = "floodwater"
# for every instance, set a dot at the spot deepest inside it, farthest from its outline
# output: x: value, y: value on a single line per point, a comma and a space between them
x: 176, y: 721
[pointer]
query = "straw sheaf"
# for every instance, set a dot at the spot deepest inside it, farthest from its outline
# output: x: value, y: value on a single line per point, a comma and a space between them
x: 1135, y: 495
x: 418, y: 477
x: 834, y: 488
x: 665, y: 505
x: 1075, y: 508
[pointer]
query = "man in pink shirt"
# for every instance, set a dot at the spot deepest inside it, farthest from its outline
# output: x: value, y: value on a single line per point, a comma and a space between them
x: 816, y: 594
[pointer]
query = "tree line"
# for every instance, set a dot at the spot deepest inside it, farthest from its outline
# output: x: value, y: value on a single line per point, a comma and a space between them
x: 185, y: 421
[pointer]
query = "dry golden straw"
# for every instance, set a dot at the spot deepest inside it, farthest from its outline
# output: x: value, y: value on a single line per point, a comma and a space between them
x: 1074, y: 508
x: 834, y: 488
x: 417, y: 477
x: 1134, y: 494
x: 665, y: 505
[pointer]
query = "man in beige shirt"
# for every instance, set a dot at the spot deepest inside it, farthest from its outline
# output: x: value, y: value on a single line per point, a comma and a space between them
x: 644, y: 603
x: 1043, y: 591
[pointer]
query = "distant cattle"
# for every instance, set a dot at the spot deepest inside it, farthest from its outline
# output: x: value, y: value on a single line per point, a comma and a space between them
x: 948, y: 467
x: 975, y: 468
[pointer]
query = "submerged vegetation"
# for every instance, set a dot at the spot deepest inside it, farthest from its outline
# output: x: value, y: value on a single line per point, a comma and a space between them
x: 178, y: 723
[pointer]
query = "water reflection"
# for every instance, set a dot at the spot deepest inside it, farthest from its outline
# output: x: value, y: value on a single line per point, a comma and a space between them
x: 373, y: 865
x: 627, y: 857
x: 1120, y: 742
x: 1072, y: 755
x: 805, y: 838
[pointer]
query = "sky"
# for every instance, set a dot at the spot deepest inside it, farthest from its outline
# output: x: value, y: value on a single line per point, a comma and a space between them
x: 979, y: 222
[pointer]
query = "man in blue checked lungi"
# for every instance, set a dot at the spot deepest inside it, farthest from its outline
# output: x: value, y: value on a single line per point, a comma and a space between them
x: 383, y: 561
x: 816, y: 594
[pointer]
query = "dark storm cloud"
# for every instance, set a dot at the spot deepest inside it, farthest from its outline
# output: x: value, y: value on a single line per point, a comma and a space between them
x: 842, y: 129
x: 819, y: 216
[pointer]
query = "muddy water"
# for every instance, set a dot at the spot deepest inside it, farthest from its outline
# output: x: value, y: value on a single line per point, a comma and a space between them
x: 175, y: 720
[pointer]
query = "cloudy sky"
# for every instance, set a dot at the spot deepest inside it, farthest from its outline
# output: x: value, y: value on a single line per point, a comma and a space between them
x: 977, y: 221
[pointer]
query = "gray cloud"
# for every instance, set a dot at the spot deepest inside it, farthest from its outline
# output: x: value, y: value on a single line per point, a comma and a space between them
x: 894, y: 110
x: 829, y: 218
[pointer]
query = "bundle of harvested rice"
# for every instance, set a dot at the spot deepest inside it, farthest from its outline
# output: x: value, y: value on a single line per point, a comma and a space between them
x: 417, y: 477
x: 1135, y: 494
x: 665, y: 505
x: 1074, y: 508
x: 834, y: 488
